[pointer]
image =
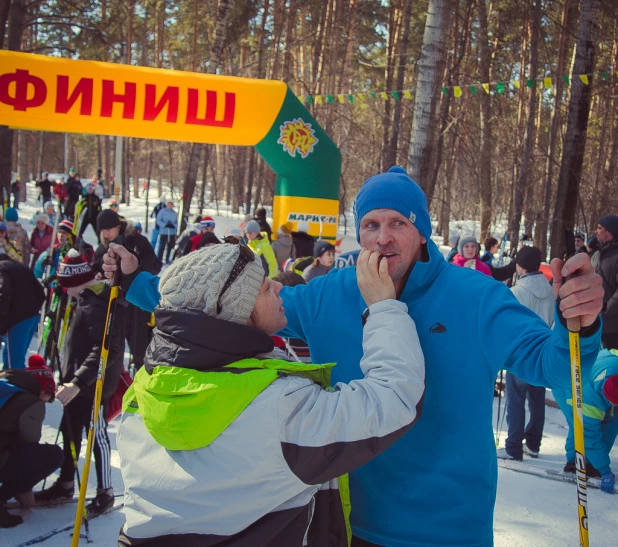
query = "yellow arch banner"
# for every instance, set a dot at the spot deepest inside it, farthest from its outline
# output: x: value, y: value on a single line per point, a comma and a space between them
x: 53, y: 94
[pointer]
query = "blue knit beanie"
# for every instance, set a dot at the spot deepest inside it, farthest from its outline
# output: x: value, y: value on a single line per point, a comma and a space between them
x: 609, y: 222
x: 393, y: 190
x: 10, y: 215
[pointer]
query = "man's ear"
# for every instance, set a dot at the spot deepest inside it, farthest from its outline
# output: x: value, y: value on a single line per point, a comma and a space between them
x: 423, y: 240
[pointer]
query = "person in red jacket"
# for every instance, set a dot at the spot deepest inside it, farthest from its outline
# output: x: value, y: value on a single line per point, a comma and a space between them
x: 41, y: 237
x: 468, y: 255
x: 207, y: 224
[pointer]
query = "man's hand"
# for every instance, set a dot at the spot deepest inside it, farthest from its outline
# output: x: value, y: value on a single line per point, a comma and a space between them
x: 128, y: 262
x: 582, y: 295
x: 372, y: 276
x: 66, y: 393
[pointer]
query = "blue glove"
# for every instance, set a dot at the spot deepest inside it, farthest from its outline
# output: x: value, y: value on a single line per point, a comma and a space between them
x: 607, y: 483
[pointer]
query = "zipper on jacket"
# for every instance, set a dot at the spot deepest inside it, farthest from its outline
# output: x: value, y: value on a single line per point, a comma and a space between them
x: 311, y: 511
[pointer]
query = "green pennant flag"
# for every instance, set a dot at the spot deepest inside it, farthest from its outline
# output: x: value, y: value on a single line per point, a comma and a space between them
x: 373, y: 95
x: 396, y: 95
x: 604, y: 75
x: 566, y: 80
x: 473, y: 90
x: 500, y: 87
x: 530, y: 82
x: 351, y: 98
x: 309, y: 100
x: 445, y: 91
x: 329, y: 98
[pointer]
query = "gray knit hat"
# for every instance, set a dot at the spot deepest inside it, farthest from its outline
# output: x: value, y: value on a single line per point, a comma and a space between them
x: 467, y: 239
x: 252, y: 227
x: 195, y: 282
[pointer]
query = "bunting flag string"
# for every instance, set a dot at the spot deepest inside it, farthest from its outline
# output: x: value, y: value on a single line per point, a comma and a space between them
x: 544, y: 83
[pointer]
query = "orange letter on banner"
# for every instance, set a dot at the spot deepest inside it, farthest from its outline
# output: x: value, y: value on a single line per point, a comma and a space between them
x: 152, y: 108
x: 211, y: 109
x: 20, y: 100
x: 64, y: 102
x: 109, y: 98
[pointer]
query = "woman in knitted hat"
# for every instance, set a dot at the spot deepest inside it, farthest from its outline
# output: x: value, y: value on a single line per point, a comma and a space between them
x: 468, y: 255
x: 65, y: 240
x: 224, y: 440
x: 17, y: 235
x: 323, y: 259
x: 41, y: 236
x: 260, y: 243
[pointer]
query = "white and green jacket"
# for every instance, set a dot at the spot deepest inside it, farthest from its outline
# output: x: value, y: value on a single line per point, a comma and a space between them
x: 222, y: 443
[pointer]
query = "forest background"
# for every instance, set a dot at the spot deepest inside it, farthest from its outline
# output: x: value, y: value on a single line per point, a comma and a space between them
x: 502, y: 110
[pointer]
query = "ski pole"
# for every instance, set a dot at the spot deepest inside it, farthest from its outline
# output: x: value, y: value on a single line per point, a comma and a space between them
x: 574, y: 327
x: 98, y: 393
x: 498, y: 427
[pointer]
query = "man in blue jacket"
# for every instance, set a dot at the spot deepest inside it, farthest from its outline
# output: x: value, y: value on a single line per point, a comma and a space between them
x: 437, y: 484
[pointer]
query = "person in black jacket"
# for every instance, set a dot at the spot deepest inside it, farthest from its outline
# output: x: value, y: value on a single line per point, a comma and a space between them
x: 74, y: 192
x: 89, y: 211
x: 111, y: 226
x: 21, y: 297
x: 260, y: 216
x: 23, y: 460
x: 45, y: 186
x: 302, y: 241
x: 79, y: 369
x: 605, y: 263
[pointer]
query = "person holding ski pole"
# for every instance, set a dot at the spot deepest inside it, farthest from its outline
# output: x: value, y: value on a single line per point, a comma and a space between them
x: 422, y: 491
x: 79, y: 371
x: 196, y: 461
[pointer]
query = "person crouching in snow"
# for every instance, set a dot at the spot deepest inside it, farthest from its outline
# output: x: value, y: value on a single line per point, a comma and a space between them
x: 80, y: 366
x: 468, y: 255
x: 23, y: 460
x: 223, y: 440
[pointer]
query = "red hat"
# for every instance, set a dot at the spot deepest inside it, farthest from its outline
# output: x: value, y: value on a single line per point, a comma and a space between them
x: 74, y: 270
x: 65, y: 225
x: 37, y: 368
x: 610, y: 389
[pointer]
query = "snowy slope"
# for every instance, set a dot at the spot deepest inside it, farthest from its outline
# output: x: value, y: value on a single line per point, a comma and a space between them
x: 530, y: 511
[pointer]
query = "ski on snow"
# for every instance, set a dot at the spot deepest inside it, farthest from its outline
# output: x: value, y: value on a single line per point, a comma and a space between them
x: 545, y: 473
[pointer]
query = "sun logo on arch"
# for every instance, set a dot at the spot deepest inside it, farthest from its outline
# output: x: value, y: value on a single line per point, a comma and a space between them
x: 297, y: 136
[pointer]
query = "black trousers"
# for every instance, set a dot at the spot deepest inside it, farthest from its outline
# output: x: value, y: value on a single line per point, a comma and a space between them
x: 609, y: 340
x: 170, y: 241
x: 27, y: 465
x: 93, y: 223
x: 76, y: 420
x: 138, y: 333
x: 358, y: 542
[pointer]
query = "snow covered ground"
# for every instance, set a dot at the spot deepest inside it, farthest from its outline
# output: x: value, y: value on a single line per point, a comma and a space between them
x: 530, y: 511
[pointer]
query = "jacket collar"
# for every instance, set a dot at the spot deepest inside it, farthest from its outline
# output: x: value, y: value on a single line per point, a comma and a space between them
x: 189, y: 338
x: 423, y: 274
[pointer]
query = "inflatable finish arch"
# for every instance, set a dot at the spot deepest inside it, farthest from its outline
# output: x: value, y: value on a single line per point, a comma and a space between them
x: 53, y: 94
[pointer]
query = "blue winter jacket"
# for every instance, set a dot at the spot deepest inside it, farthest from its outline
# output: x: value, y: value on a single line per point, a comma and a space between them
x: 167, y: 222
x: 600, y: 416
x: 436, y: 485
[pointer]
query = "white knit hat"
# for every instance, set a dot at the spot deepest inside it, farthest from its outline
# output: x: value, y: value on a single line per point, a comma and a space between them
x: 195, y: 281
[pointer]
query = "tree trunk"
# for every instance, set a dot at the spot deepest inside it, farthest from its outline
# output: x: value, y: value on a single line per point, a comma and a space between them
x: 23, y: 162
x: 16, y: 26
x: 577, y: 126
x: 525, y: 171
x: 430, y: 70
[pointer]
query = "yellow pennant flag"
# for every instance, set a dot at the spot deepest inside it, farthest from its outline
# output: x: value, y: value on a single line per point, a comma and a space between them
x: 548, y: 83
x: 384, y: 95
x: 584, y: 78
x: 318, y: 99
x: 486, y: 88
x: 517, y: 84
x: 408, y: 95
x: 457, y: 91
x: 340, y: 97
x: 361, y: 96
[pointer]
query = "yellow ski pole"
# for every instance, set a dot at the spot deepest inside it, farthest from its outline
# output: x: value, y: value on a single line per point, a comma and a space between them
x: 98, y: 393
x: 574, y: 327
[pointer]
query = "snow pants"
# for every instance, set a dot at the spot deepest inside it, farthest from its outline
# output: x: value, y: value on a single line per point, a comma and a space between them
x: 517, y: 391
x: 138, y: 333
x: 75, y: 420
x: 16, y: 343
x: 154, y: 237
x: 609, y: 427
x: 169, y: 242
x: 27, y: 465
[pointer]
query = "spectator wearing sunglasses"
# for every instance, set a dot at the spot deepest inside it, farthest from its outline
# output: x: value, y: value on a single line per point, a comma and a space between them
x: 210, y: 425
